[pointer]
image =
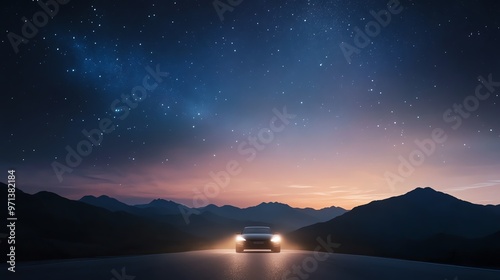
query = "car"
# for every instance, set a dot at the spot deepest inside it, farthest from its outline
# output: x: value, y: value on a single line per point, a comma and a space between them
x: 258, y: 237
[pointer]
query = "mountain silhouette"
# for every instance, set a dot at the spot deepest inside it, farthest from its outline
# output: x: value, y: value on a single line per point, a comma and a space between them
x: 214, y: 223
x: 109, y: 203
x: 409, y: 226
x: 422, y: 224
x: 282, y: 216
x: 161, y: 206
x: 323, y: 214
x: 51, y: 226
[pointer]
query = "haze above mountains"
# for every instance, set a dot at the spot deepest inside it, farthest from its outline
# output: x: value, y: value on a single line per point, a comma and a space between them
x: 421, y: 225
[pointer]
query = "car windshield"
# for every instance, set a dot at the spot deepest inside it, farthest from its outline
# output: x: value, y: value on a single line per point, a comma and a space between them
x: 257, y: 230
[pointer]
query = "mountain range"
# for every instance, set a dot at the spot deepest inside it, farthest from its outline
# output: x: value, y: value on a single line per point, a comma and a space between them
x: 50, y: 226
x: 281, y: 216
x: 422, y: 224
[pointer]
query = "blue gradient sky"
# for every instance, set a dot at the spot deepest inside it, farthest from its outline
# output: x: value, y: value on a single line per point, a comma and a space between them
x: 352, y: 121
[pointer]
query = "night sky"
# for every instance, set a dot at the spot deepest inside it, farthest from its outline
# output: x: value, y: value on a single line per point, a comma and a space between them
x: 214, y: 85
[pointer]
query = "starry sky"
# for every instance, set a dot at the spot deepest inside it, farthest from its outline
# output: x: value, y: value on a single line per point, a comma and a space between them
x: 214, y: 85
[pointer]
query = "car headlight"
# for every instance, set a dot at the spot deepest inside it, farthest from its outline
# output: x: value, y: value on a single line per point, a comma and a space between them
x: 240, y: 238
x: 276, y: 239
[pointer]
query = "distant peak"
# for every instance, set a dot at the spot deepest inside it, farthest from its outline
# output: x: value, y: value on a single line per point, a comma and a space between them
x: 157, y: 200
x: 211, y: 205
x: 424, y: 189
x: 161, y: 201
x: 101, y: 197
x: 271, y: 203
x: 427, y: 192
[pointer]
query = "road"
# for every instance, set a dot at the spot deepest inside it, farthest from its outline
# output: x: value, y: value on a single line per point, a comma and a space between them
x: 226, y: 264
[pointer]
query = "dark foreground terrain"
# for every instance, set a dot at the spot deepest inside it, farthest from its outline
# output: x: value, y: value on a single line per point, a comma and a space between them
x: 226, y: 264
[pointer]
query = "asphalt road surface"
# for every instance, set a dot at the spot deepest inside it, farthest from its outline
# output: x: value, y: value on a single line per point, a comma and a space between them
x: 226, y: 264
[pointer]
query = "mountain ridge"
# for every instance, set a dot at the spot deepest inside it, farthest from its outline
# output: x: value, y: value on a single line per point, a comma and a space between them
x: 283, y: 216
x: 408, y: 226
x: 423, y: 224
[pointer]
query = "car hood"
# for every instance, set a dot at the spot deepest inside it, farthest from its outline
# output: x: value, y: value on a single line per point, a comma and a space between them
x: 257, y: 235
